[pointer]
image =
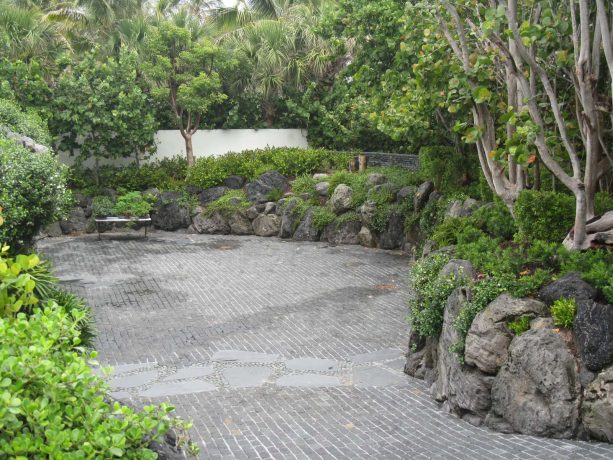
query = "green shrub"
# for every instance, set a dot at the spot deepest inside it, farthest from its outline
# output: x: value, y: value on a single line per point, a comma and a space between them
x: 447, y: 232
x: 595, y: 266
x: 349, y: 216
x: 133, y: 204
x: 25, y: 123
x: 322, y: 217
x: 102, y: 206
x: 305, y: 184
x: 210, y: 171
x: 519, y: 325
x: 427, y: 306
x: 446, y: 167
x: 206, y: 172
x: 546, y: 216
x: 495, y: 220
x: 563, y: 312
x: 229, y: 203
x: 53, y: 406
x: 33, y: 193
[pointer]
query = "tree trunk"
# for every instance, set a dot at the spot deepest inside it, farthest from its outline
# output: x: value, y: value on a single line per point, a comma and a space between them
x: 189, y: 149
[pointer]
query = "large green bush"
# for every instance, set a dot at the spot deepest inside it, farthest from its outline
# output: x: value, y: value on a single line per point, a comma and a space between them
x: 427, y: 306
x: 33, y: 193
x: 211, y: 171
x: 51, y: 404
x: 26, y: 123
x: 546, y: 216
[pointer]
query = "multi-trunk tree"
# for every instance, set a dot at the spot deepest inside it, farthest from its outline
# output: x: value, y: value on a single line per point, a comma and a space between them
x: 535, y: 78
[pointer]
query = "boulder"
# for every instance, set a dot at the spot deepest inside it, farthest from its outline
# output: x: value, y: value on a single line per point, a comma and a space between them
x: 375, y: 179
x: 341, y: 199
x: 189, y: 189
x: 322, y: 188
x: 597, y: 408
x: 271, y: 208
x: 76, y: 222
x: 393, y: 235
x: 267, y: 225
x: 459, y: 268
x: 170, y: 212
x: 406, y: 194
x: 289, y: 220
x: 488, y: 339
x: 462, y: 208
x: 422, y: 357
x: 252, y: 212
x: 234, y: 182
x: 211, y: 194
x: 214, y: 224
x: 53, y: 230
x: 569, y: 286
x: 422, y: 194
x: 593, y: 328
x: 367, y: 212
x: 82, y: 201
x: 537, y: 390
x: 306, y: 230
x: 464, y: 389
x: 240, y: 224
x: 342, y: 233
x: 258, y: 191
x: 366, y: 238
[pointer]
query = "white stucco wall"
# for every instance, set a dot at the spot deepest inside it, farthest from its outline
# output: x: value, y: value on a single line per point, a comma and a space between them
x: 215, y: 142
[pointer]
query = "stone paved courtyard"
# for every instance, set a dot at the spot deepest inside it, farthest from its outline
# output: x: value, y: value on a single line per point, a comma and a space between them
x: 274, y: 349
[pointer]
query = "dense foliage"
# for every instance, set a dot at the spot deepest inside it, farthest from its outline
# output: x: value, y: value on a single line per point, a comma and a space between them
x: 33, y: 193
x: 210, y: 171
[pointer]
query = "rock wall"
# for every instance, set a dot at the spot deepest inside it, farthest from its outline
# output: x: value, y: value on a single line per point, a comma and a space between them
x: 546, y: 381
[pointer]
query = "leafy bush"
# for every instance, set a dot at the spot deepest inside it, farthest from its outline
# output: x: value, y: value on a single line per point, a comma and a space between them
x: 563, y: 312
x: 210, y: 171
x: 33, y: 193
x: 546, y: 216
x: 52, y: 404
x: 349, y: 216
x: 322, y: 217
x: 495, y: 220
x: 275, y: 194
x: 595, y: 266
x: 446, y: 167
x: 102, y: 206
x: 229, y: 203
x: 447, y: 232
x: 24, y: 123
x: 164, y: 174
x: 427, y: 306
x: 519, y: 325
x: 133, y: 204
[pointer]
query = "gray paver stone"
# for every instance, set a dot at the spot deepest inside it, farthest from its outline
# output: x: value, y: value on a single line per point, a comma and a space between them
x: 312, y: 364
x: 191, y: 372
x: 308, y: 380
x: 245, y: 377
x: 177, y: 388
x: 134, y: 380
x: 244, y: 356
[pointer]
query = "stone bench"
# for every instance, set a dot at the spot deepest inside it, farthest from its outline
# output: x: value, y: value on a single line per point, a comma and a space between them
x: 144, y: 221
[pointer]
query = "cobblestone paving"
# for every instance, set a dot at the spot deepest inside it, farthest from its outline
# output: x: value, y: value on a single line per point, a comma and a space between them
x: 274, y: 349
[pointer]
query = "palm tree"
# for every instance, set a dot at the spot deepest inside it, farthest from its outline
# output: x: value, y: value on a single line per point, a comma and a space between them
x: 26, y: 35
x: 277, y: 39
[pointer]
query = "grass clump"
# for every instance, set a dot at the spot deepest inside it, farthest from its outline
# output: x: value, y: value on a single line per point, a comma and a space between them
x: 229, y: 203
x: 305, y: 184
x: 563, y: 312
x: 322, y: 217
x: 519, y: 325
